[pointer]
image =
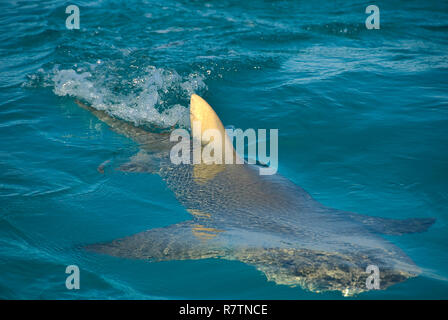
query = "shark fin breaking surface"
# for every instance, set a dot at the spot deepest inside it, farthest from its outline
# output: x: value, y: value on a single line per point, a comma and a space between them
x: 264, y: 221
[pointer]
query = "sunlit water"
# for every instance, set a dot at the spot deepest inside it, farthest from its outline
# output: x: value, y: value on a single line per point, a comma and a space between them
x: 362, y: 118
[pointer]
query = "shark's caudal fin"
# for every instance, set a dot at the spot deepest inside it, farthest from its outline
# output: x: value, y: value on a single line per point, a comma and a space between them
x: 392, y: 226
x: 153, y: 145
x: 118, y: 126
x: 151, y: 140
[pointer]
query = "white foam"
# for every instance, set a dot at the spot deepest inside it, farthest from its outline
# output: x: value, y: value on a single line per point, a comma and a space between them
x: 142, y: 99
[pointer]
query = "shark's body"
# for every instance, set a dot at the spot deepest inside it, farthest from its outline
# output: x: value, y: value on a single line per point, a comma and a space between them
x: 265, y: 221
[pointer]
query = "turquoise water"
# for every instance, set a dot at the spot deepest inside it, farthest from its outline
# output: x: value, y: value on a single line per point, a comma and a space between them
x: 362, y: 118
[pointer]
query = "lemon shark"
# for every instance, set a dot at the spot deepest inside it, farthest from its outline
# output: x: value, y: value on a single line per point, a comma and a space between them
x: 265, y: 221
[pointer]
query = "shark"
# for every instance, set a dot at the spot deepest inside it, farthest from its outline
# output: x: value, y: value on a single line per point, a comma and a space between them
x: 265, y: 221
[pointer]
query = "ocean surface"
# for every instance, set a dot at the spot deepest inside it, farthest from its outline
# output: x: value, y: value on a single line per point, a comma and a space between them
x: 362, y: 118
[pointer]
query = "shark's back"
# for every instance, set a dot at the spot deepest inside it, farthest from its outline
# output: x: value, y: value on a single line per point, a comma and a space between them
x: 265, y: 221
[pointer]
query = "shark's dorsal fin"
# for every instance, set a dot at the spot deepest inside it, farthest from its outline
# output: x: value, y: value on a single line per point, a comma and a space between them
x: 201, y: 113
x: 203, y: 118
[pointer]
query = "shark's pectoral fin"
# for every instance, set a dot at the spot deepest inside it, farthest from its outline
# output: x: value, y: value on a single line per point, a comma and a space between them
x: 393, y: 226
x: 175, y: 242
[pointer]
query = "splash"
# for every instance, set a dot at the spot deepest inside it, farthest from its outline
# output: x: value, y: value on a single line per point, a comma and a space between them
x: 147, y: 96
